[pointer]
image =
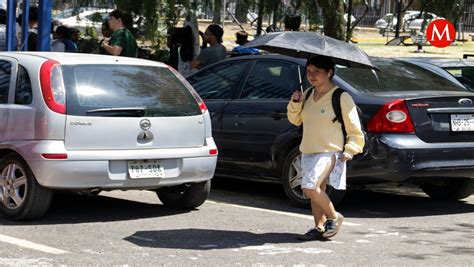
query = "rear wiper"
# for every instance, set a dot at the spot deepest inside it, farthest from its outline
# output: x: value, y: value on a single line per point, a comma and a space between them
x: 120, y: 112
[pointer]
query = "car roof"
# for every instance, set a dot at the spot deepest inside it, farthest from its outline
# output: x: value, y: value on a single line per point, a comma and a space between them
x: 441, y: 62
x: 270, y: 56
x: 77, y: 59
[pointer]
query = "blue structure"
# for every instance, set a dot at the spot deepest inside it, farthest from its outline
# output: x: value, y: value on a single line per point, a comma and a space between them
x: 44, y: 25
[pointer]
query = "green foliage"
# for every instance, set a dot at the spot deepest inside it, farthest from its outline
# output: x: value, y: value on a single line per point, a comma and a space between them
x: 90, y: 32
x: 96, y: 17
x: 452, y: 10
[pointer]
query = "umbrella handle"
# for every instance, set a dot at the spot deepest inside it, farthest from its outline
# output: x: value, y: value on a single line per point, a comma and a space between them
x: 301, y: 81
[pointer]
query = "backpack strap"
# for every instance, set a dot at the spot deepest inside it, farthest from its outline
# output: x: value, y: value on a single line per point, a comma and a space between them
x: 308, y: 93
x: 336, y: 105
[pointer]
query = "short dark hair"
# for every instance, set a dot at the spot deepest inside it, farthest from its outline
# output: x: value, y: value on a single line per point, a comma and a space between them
x: 126, y: 17
x: 322, y: 62
x: 33, y: 15
x: 241, y: 37
x: 3, y: 16
x: 217, y: 31
x: 63, y: 32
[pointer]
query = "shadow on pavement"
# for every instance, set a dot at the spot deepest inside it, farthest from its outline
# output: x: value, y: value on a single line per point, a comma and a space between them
x: 380, y: 201
x: 73, y: 208
x: 206, y: 239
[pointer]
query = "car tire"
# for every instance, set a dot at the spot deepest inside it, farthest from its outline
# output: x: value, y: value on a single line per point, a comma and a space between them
x: 187, y: 196
x: 291, y: 180
x: 21, y: 197
x: 449, y: 189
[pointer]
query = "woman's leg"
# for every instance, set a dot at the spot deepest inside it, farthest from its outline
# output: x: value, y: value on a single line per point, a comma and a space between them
x: 321, y: 219
x: 321, y: 205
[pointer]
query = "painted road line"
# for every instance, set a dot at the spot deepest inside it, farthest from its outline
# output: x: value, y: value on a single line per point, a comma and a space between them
x: 284, y: 213
x: 30, y: 245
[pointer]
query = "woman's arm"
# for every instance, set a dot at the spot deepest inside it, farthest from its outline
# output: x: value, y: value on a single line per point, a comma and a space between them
x: 355, y: 137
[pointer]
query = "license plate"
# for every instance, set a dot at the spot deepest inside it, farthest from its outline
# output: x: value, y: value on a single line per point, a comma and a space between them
x: 145, y: 169
x: 461, y: 123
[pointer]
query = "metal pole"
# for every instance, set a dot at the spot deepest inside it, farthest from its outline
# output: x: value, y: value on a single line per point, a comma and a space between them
x: 399, y: 18
x: 25, y: 27
x: 349, y: 14
x: 44, y: 25
x: 11, y: 25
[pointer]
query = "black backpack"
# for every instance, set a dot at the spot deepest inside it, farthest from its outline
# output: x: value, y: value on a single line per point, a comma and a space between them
x: 336, y: 105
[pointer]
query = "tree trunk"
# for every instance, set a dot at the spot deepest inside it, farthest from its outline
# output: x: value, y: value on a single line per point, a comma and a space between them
x: 333, y: 12
x: 216, y: 12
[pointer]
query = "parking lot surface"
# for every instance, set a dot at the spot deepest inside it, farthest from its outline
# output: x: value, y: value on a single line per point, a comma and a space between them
x: 242, y: 224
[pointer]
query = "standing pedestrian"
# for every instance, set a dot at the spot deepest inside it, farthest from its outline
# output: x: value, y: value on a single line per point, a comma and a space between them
x: 62, y: 41
x: 325, y: 150
x: 241, y: 39
x: 3, y: 30
x: 32, y: 39
x: 122, y: 42
x: 106, y: 33
x: 215, y: 52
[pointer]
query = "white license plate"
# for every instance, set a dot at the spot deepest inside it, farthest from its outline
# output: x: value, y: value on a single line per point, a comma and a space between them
x: 461, y: 123
x: 145, y: 169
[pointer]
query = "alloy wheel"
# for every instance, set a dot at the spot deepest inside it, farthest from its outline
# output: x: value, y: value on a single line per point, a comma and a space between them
x: 295, y: 175
x: 13, y: 186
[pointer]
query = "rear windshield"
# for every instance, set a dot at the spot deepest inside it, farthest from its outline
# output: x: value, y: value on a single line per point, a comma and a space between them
x: 121, y: 90
x: 395, y: 76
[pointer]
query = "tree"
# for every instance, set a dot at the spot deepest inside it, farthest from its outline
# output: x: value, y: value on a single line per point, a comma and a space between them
x: 333, y: 13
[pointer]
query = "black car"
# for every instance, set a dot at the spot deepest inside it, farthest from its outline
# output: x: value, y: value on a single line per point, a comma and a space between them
x: 420, y: 125
x: 459, y: 69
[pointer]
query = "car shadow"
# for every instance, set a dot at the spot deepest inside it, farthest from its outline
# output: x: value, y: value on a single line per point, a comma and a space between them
x: 207, y: 239
x: 67, y: 208
x: 377, y: 201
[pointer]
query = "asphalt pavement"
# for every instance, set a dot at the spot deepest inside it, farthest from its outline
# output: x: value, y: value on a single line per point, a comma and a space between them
x: 242, y: 224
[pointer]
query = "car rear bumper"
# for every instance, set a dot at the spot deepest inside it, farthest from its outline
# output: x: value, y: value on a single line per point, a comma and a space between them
x: 403, y: 157
x: 109, y: 170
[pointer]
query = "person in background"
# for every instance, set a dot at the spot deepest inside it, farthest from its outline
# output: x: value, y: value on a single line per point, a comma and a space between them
x: 106, y: 33
x: 241, y: 39
x: 324, y: 151
x: 3, y: 30
x: 33, y: 29
x: 215, y: 52
x: 63, y: 41
x: 122, y: 42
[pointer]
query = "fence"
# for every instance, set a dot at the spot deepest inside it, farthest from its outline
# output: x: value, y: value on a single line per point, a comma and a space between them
x: 246, y: 12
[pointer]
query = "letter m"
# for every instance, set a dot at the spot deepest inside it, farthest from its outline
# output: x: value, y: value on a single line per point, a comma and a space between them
x: 440, y: 36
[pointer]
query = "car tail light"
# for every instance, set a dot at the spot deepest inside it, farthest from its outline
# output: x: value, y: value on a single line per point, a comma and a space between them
x: 213, y: 152
x: 54, y: 155
x: 203, y: 107
x: 52, y: 86
x: 393, y: 117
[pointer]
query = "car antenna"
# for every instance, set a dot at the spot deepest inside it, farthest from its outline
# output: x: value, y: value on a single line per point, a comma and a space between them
x: 376, y: 76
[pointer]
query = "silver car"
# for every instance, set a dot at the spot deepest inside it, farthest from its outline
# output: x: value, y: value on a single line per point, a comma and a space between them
x: 87, y: 123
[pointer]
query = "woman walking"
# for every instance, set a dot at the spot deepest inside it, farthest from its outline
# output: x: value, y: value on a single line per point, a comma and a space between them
x: 325, y: 150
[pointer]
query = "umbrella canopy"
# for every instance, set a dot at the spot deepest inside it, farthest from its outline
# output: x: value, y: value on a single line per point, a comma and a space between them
x: 305, y: 44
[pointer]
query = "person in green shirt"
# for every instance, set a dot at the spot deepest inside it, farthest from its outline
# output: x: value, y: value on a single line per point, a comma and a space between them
x: 122, y: 42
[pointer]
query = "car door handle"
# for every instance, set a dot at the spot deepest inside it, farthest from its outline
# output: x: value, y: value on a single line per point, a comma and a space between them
x: 212, y: 114
x: 239, y: 123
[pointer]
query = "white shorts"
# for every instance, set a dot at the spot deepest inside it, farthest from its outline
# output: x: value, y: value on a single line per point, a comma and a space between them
x: 313, y: 166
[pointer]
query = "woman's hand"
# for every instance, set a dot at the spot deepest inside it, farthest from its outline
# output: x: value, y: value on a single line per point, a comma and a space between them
x: 296, y: 96
x: 345, y: 157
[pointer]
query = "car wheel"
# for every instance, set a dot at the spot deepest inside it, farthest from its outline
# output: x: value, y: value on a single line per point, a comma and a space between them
x: 291, y: 179
x: 187, y: 196
x: 21, y: 196
x: 449, y: 189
